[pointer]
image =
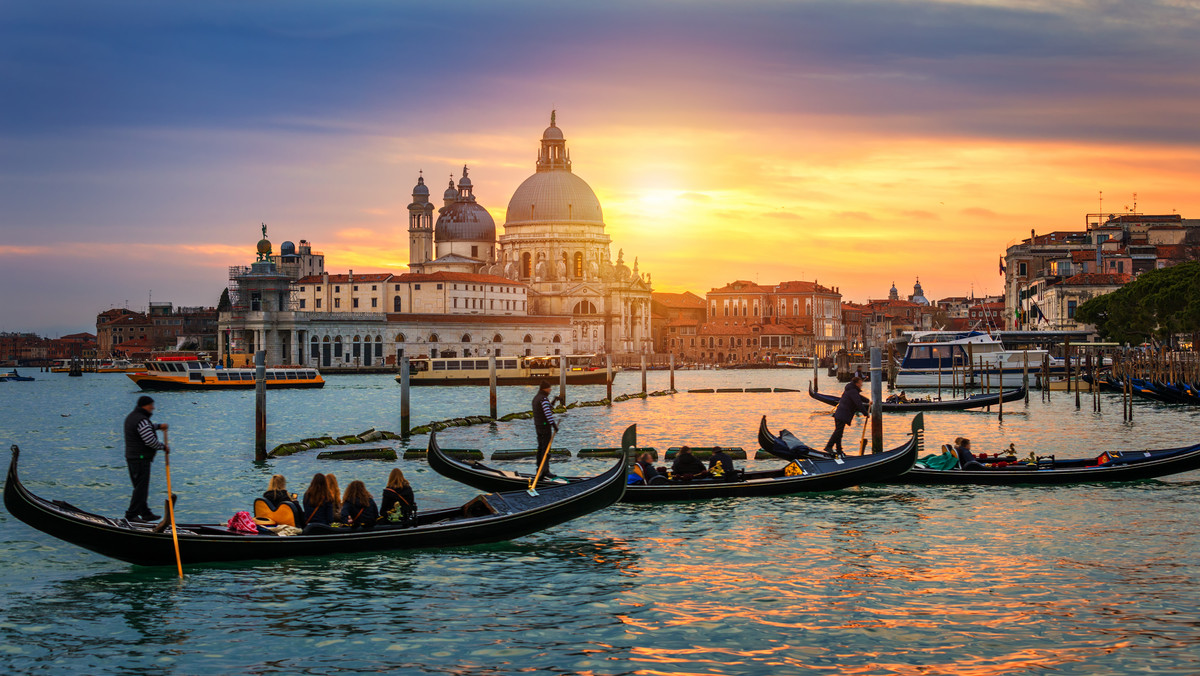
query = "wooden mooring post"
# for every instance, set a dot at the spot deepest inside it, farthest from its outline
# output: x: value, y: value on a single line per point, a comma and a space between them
x: 492, y: 408
x: 405, y: 419
x: 608, y: 382
x: 260, y: 406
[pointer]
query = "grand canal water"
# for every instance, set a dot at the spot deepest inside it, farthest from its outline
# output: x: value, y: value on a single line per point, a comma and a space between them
x: 877, y: 580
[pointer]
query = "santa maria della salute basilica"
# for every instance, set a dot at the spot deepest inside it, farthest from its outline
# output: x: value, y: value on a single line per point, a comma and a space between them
x: 547, y: 285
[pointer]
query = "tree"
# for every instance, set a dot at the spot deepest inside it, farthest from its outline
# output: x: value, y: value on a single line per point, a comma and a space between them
x: 1158, y: 304
x: 224, y: 305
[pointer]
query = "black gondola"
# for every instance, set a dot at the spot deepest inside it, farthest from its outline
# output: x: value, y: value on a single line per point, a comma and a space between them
x: 488, y: 518
x: 1109, y: 466
x: 818, y: 474
x: 973, y: 401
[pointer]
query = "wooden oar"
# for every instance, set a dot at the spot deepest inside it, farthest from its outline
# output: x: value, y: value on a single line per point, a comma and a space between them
x: 862, y: 443
x: 171, y: 508
x: 532, y: 490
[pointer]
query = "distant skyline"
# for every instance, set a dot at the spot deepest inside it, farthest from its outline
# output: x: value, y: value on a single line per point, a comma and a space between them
x: 854, y: 143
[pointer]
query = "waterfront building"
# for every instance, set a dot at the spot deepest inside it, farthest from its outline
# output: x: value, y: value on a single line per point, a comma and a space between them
x: 675, y: 319
x: 1125, y: 244
x: 1057, y: 302
x: 163, y: 327
x: 298, y: 261
x: 749, y: 322
x: 371, y: 320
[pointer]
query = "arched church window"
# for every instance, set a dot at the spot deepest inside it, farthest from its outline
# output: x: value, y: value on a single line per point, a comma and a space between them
x: 526, y: 265
x: 578, y: 263
x: 466, y: 338
x: 528, y: 338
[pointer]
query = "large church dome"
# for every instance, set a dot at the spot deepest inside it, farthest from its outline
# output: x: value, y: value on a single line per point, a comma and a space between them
x: 464, y: 222
x: 554, y: 196
x: 554, y: 193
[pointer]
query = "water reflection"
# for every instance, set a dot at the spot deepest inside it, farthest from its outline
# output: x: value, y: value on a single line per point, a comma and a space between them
x: 900, y: 580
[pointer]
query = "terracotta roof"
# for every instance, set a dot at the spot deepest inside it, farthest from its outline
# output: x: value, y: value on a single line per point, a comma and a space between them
x: 456, y: 277
x: 802, y: 287
x: 686, y: 300
x: 1175, y: 251
x: 742, y: 286
x: 345, y: 279
x: 1083, y: 256
x: 1097, y: 279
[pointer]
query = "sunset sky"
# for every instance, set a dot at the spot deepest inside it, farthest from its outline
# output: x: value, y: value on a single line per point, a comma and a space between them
x: 855, y: 143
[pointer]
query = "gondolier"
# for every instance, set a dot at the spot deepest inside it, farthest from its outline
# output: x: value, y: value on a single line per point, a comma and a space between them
x: 543, y: 421
x: 141, y: 445
x: 851, y: 403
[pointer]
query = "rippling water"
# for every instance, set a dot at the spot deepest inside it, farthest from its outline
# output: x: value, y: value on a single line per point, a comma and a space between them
x: 877, y: 580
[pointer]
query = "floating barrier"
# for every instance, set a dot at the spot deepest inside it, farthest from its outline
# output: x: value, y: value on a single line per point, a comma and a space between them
x: 359, y: 454
x: 757, y: 389
x: 729, y: 390
x: 459, y: 453
x: 522, y: 453
x: 615, y: 452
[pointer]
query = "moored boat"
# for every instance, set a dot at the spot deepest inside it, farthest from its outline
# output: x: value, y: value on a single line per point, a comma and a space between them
x: 973, y: 401
x: 450, y: 371
x: 190, y: 373
x: 1044, y: 470
x: 809, y: 475
x: 488, y: 518
x: 933, y: 358
x: 13, y: 376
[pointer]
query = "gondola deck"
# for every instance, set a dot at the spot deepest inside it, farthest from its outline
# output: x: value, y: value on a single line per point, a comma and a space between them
x: 506, y: 516
x: 973, y: 401
x: 819, y: 475
x: 1119, y: 466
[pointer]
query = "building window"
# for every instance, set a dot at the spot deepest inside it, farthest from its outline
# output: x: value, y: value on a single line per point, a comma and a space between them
x: 302, y: 289
x: 526, y: 265
x: 337, y: 289
x: 474, y: 251
x: 417, y: 287
x: 337, y: 302
x: 439, y: 287
x: 301, y: 303
x: 578, y: 264
x: 372, y: 287
x: 397, y: 287
x: 396, y: 304
x: 318, y: 289
x: 317, y: 304
x: 1022, y: 269
x: 354, y: 302
x: 374, y: 302
x: 1071, y: 309
x: 356, y: 287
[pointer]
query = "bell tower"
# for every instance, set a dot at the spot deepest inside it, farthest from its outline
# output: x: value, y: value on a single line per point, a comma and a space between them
x: 420, y: 226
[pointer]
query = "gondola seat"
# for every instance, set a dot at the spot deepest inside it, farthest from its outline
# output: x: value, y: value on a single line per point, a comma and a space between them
x: 286, y: 513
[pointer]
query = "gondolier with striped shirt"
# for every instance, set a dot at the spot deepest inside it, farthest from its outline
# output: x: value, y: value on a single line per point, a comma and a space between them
x: 543, y: 421
x: 141, y: 445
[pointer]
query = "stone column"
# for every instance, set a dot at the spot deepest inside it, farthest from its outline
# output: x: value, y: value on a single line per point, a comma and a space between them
x: 296, y: 354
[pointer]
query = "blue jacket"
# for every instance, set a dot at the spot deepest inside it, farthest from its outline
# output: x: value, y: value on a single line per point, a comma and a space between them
x: 851, y: 402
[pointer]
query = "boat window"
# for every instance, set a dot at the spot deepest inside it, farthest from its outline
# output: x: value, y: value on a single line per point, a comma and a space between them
x: 439, y: 366
x: 193, y: 365
x: 292, y: 375
x: 481, y: 364
x: 453, y: 365
x: 920, y: 353
x: 510, y: 363
x: 196, y: 377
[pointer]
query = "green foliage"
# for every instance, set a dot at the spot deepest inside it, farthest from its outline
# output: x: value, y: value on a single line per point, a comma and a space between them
x: 1158, y: 304
x: 224, y: 305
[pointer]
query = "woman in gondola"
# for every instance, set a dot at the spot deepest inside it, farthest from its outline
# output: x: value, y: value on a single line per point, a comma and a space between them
x: 399, y: 503
x: 966, y: 459
x: 318, y: 507
x: 358, y: 508
x: 687, y: 466
x: 335, y: 494
x: 277, y: 492
x: 644, y: 469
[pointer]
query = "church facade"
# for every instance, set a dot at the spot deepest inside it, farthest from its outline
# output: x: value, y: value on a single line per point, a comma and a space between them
x: 555, y: 242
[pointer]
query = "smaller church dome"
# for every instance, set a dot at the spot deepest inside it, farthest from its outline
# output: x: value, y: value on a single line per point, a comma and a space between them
x: 420, y: 188
x: 287, y: 249
x: 451, y: 193
x: 552, y: 133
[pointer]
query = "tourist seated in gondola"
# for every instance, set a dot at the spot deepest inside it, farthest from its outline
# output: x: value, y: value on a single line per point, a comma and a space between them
x: 335, y: 494
x: 720, y: 466
x: 318, y: 507
x: 687, y: 466
x: 901, y: 398
x: 966, y: 459
x: 399, y: 505
x: 359, y: 510
x: 277, y: 492
x: 644, y: 472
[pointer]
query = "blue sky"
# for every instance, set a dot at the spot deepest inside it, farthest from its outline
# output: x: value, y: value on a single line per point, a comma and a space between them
x: 141, y: 143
